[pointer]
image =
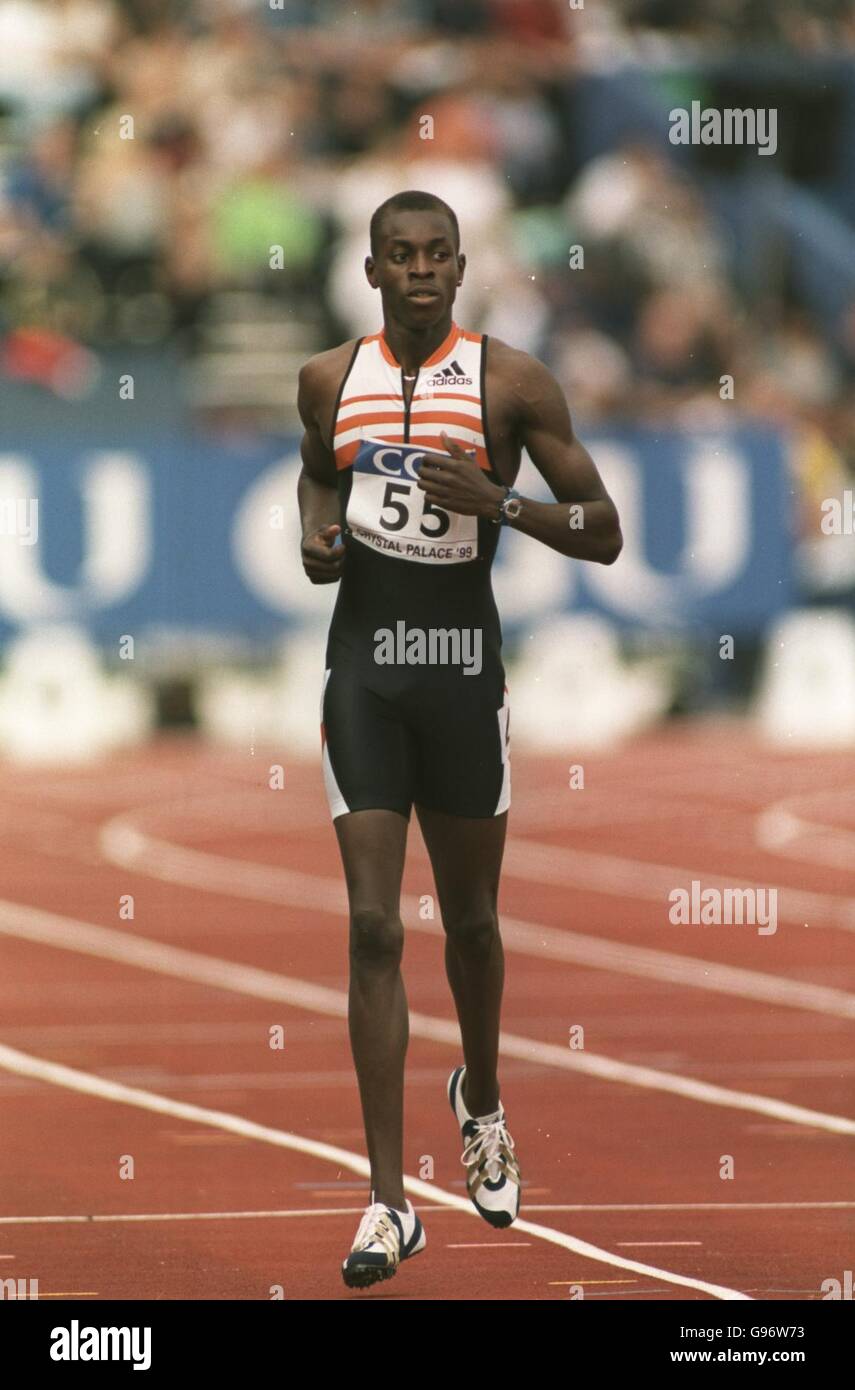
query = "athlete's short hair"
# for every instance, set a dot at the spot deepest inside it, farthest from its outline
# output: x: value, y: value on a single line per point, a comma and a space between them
x: 412, y: 200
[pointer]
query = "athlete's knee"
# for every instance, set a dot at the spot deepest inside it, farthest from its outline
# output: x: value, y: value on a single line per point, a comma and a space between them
x: 474, y: 932
x: 376, y: 936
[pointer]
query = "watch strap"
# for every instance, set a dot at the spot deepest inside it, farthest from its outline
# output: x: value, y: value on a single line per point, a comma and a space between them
x: 510, y: 492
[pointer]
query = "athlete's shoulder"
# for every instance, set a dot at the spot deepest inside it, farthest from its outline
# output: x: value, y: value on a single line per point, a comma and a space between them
x: 517, y: 373
x: 318, y: 382
x: 511, y: 361
x: 327, y: 366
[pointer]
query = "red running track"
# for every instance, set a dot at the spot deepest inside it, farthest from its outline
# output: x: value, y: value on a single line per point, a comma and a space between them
x: 707, y: 1049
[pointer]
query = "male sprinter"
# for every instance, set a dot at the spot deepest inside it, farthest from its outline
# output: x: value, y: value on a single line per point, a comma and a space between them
x: 411, y: 448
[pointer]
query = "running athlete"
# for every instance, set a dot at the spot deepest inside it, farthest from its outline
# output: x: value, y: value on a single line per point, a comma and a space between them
x: 411, y: 448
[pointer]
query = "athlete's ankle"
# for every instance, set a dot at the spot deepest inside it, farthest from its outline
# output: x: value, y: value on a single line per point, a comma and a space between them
x: 488, y: 1109
x: 390, y: 1197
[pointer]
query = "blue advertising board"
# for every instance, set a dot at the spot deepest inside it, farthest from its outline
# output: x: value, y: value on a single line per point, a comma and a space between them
x: 179, y: 532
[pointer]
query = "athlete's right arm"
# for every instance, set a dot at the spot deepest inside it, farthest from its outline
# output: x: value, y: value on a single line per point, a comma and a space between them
x: 317, y: 489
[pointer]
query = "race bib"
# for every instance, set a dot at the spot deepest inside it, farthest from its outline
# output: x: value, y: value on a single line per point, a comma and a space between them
x: 387, y: 511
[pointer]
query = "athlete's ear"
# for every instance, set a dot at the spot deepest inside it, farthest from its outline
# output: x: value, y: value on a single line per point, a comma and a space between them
x: 461, y: 261
x: 369, y: 272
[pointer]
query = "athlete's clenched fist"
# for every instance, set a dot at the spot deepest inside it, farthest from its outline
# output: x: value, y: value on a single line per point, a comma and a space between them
x: 322, y: 558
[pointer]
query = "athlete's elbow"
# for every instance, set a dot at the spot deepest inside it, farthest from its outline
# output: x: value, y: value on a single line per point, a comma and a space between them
x: 612, y: 546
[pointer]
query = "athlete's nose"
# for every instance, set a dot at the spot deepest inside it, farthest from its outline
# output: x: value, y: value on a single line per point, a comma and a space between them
x: 421, y: 268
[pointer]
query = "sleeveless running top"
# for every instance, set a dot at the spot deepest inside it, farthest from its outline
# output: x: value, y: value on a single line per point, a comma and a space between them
x: 405, y: 559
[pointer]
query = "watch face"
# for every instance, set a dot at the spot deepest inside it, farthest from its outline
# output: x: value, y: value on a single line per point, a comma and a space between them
x: 513, y: 507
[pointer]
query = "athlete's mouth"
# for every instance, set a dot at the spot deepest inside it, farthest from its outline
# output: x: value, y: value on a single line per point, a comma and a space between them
x: 423, y: 293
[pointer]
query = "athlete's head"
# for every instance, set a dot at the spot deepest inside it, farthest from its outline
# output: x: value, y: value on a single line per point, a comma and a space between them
x: 415, y: 260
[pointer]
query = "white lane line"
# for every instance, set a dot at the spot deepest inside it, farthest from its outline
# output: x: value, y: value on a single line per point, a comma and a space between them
x: 617, y: 876
x: 302, y: 1081
x: 529, y: 860
x: 633, y: 1244
x: 88, y: 1084
x: 124, y: 844
x: 672, y: 968
x: 778, y: 830
x: 562, y: 1283
x: 231, y: 1081
x: 694, y: 1206
x: 111, y: 1217
x: 48, y: 928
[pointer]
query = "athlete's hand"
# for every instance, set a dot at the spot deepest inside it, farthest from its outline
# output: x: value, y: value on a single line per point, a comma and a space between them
x: 322, y: 558
x: 455, y: 482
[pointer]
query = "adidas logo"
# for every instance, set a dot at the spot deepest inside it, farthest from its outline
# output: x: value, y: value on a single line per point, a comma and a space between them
x: 450, y: 376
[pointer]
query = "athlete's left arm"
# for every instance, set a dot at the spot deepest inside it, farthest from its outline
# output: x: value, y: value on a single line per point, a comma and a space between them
x: 589, y: 528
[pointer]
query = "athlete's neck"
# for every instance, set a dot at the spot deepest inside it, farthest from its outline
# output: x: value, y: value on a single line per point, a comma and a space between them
x: 413, y: 346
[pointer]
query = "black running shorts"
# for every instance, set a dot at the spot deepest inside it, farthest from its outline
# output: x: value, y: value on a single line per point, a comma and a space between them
x: 440, y: 743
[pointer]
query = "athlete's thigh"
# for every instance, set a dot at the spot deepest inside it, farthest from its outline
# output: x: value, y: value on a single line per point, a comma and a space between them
x: 466, y: 856
x: 460, y: 728
x: 373, y: 845
x: 367, y: 746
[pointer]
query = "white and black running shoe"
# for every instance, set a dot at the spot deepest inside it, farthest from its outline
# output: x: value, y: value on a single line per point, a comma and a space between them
x: 385, y: 1237
x: 492, y: 1171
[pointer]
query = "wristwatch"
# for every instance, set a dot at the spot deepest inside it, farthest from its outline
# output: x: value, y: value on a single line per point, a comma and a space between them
x: 509, y: 507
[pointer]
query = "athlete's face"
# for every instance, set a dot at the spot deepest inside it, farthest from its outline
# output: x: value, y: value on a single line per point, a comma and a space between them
x: 417, y: 268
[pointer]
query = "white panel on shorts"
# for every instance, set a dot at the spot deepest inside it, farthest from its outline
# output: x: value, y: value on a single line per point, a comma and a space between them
x: 337, y: 804
x: 504, y: 715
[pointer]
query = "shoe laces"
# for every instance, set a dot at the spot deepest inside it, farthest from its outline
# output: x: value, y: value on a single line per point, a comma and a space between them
x: 378, y: 1228
x: 490, y: 1142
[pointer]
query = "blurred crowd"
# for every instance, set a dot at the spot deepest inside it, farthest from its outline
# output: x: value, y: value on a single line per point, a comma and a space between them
x: 801, y: 25
x: 157, y: 155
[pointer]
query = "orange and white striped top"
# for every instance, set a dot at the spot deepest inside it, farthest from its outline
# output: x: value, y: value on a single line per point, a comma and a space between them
x: 448, y: 395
